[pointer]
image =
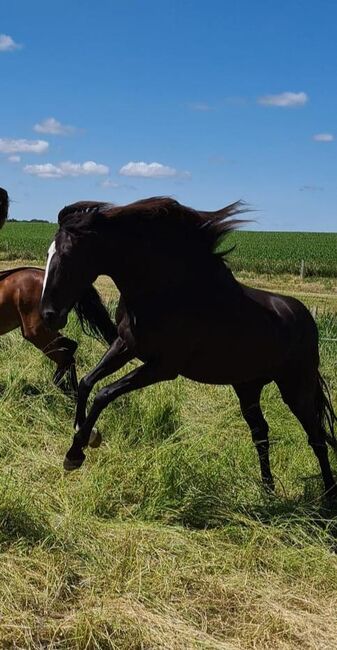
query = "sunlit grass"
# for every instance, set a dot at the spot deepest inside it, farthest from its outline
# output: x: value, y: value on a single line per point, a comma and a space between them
x: 164, y: 539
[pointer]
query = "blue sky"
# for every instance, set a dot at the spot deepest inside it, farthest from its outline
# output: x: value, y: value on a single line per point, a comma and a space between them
x: 230, y: 100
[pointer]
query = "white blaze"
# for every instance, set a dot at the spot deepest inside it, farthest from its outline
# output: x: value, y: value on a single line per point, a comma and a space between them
x: 51, y: 252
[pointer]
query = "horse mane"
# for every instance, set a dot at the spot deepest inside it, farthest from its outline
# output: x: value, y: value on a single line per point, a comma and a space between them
x: 3, y: 206
x: 94, y: 317
x: 193, y: 228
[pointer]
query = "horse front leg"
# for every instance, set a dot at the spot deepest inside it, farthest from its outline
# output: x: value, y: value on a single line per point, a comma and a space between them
x: 114, y: 359
x: 145, y: 375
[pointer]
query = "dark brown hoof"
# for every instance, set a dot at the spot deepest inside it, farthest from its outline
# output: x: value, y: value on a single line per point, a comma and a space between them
x: 331, y: 494
x: 95, y: 439
x: 269, y: 486
x: 69, y: 464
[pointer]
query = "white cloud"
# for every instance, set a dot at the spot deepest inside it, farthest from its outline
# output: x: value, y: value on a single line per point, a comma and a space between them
x: 23, y: 146
x: 44, y: 171
x: 83, y: 169
x: 7, y: 44
x: 54, y: 127
x: 286, y: 99
x: 14, y: 159
x: 48, y: 170
x: 323, y: 137
x: 151, y: 170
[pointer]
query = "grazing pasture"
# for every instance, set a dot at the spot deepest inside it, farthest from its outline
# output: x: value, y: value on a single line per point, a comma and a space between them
x: 164, y: 539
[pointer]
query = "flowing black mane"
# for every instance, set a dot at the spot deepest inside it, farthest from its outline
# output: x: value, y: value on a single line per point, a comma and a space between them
x: 180, y: 225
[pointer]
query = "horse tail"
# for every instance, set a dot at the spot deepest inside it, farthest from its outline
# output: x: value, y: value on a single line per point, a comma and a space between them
x: 326, y: 413
x: 3, y: 206
x: 94, y: 317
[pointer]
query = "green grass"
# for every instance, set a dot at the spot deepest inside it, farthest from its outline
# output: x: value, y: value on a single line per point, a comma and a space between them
x: 164, y: 539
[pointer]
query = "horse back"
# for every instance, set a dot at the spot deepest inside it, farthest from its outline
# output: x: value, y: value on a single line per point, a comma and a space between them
x: 20, y: 292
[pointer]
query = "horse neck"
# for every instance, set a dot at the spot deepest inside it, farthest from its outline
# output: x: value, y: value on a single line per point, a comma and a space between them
x: 164, y: 273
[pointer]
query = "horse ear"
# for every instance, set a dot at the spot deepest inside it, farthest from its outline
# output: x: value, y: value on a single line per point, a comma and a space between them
x: 81, y: 214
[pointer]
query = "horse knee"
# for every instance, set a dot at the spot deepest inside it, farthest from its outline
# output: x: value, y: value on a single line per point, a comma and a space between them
x: 84, y: 387
x: 102, y: 398
x: 257, y: 424
x: 260, y: 436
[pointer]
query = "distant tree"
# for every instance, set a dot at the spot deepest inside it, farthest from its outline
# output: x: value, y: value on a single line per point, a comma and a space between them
x: 28, y: 221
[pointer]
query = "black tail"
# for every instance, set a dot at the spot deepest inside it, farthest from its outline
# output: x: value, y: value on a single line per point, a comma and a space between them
x: 326, y: 413
x: 3, y: 206
x: 94, y: 317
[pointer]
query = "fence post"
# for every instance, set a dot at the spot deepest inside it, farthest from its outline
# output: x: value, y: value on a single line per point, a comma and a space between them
x: 302, y: 271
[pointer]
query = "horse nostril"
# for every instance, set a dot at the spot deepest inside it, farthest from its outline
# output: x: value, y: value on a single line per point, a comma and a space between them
x: 48, y: 316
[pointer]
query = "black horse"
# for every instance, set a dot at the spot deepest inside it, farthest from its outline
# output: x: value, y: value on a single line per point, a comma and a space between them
x: 183, y: 313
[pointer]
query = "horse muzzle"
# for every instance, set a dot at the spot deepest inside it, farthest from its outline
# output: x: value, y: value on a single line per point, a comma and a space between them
x: 54, y: 320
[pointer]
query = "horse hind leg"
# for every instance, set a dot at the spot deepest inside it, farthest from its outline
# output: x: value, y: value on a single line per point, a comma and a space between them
x: 304, y: 396
x: 249, y: 397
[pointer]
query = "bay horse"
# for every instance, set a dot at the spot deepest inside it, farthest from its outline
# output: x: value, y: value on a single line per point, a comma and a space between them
x: 20, y: 294
x: 182, y: 312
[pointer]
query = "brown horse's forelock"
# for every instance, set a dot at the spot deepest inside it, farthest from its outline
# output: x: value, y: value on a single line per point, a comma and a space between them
x: 204, y: 229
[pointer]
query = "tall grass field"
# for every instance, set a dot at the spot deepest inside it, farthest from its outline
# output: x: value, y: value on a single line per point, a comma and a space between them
x: 165, y: 538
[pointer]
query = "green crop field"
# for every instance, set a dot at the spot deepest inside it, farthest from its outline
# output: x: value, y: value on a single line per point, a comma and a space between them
x: 260, y: 252
x: 26, y: 240
x: 283, y: 252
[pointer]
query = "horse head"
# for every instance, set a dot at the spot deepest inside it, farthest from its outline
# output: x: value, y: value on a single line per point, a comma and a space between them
x: 72, y: 263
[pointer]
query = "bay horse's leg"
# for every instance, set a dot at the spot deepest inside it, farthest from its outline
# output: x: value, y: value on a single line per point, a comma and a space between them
x: 249, y: 396
x: 145, y: 375
x: 300, y: 394
x: 70, y: 384
x: 58, y: 348
x: 114, y: 359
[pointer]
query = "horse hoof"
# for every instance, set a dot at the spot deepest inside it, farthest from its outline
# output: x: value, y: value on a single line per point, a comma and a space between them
x: 70, y: 464
x: 95, y: 439
x: 331, y: 494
